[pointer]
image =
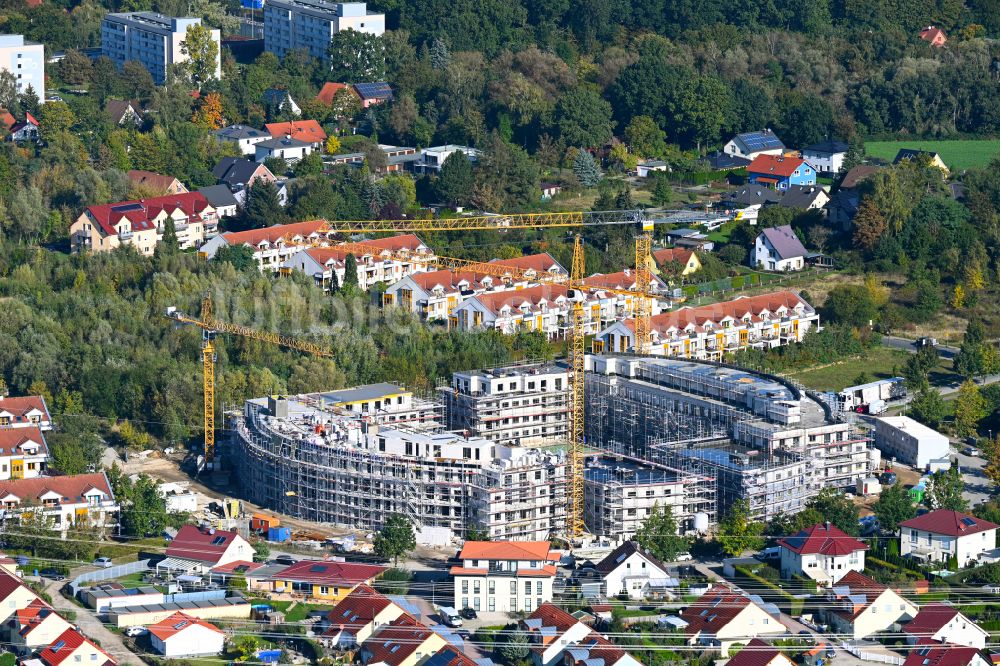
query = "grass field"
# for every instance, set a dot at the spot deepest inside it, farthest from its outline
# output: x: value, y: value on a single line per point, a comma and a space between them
x: 879, y: 363
x: 957, y: 155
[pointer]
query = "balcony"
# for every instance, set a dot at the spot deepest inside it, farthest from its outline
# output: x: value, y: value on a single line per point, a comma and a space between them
x: 125, y: 235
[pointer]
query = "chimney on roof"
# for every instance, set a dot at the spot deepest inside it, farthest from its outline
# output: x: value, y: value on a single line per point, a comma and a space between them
x: 828, y: 526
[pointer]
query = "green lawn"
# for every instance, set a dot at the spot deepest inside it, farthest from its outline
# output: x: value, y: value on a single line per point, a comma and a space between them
x: 957, y: 155
x: 877, y: 364
x: 300, y: 611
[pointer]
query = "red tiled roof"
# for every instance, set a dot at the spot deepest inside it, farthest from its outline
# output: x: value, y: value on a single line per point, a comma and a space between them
x: 177, y: 623
x: 357, y: 609
x: 69, y: 488
x: 496, y: 300
x: 620, y: 280
x: 737, y: 309
x: 949, y: 523
x: 192, y: 543
x: 757, y: 653
x: 859, y: 584
x: 31, y: 611
x: 536, y: 262
x: 9, y: 583
x: 449, y: 280
x: 70, y: 640
x: 141, y: 213
x: 7, y: 120
x: 12, y: 438
x: 330, y: 90
x: 678, y: 254
x: 553, y: 616
x: 932, y: 34
x: 303, y: 130
x: 712, y: 611
x: 930, y: 620
x: 20, y: 406
x: 157, y: 181
x: 409, y: 242
x: 320, y: 572
x: 237, y: 567
x: 396, y: 641
x: 932, y: 653
x: 823, y: 539
x: 598, y: 649
x: 450, y: 656
x: 274, y: 233
x: 506, y: 550
x: 775, y: 165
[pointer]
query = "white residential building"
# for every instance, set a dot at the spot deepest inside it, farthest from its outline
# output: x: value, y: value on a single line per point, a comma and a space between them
x: 751, y: 144
x: 722, y: 617
x: 28, y: 411
x: 945, y: 624
x: 208, y: 548
x: 824, y: 553
x: 858, y: 607
x: 152, y: 39
x: 912, y: 443
x: 243, y: 137
x: 182, y: 635
x: 504, y: 576
x: 272, y: 246
x: 551, y: 631
x: 433, y: 158
x: 285, y: 148
x: 23, y: 453
x: 631, y: 570
x: 81, y: 499
x: 929, y: 653
x: 291, y: 25
x: 26, y: 61
x: 434, y: 295
x: 940, y: 535
x: 37, y: 625
x: 710, y: 331
x: 386, y: 260
x: 826, y: 157
x: 779, y: 249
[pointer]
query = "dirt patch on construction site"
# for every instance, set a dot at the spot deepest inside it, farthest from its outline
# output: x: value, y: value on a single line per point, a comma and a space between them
x: 906, y: 476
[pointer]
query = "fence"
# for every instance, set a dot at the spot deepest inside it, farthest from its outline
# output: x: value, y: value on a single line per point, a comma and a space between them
x: 700, y: 293
x: 873, y: 653
x: 203, y: 595
x: 117, y: 571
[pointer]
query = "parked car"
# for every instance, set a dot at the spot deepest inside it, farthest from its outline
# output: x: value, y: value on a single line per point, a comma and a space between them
x: 52, y: 574
x: 464, y: 634
x: 830, y: 652
x: 971, y: 451
x: 103, y: 562
x: 136, y: 631
x: 683, y: 557
x: 468, y: 613
x: 925, y: 342
x: 286, y: 560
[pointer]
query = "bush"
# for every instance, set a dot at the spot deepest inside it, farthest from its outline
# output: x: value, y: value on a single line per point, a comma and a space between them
x: 395, y: 581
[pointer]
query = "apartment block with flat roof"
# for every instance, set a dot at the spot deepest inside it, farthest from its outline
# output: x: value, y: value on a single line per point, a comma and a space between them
x: 152, y: 39
x: 26, y: 61
x: 308, y: 25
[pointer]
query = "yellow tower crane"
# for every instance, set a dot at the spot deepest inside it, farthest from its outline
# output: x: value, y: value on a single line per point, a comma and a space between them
x: 210, y: 327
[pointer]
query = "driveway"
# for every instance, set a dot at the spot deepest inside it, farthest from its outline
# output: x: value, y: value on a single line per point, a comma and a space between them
x: 92, y: 627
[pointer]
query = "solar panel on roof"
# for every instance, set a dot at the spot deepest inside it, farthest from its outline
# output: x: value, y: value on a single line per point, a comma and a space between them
x: 968, y: 521
x: 923, y: 651
x: 59, y: 645
x: 317, y: 568
x: 218, y: 541
x: 373, y: 89
x: 124, y: 208
x: 181, y: 624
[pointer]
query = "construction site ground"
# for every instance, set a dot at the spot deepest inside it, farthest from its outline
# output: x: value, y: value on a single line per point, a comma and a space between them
x: 169, y: 469
x: 907, y: 476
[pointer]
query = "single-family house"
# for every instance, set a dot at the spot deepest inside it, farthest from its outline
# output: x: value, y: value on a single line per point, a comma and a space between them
x: 632, y: 570
x: 182, y: 635
x: 934, y: 36
x: 722, y: 617
x: 285, y: 148
x: 842, y: 208
x: 759, y: 653
x: 751, y: 196
x: 221, y: 199
x: 23, y: 453
x: 204, y: 549
x: 36, y: 625
x: 710, y: 331
x: 277, y: 100
x: 434, y: 295
x: 929, y: 653
x: 780, y: 171
x: 677, y: 256
x: 313, y: 579
x: 24, y: 130
x: 643, y: 169
x: 241, y: 136
x: 432, y: 158
x: 749, y: 145
x: 357, y: 616
x: 330, y: 90
x: 779, y: 249
x: 155, y: 182
x: 827, y: 157
x: 857, y: 175
x: 71, y: 648
x: 938, y: 536
x: 14, y: 596
x: 720, y: 161
x: 272, y: 246
x: 504, y: 576
x: 805, y: 197
x: 124, y: 112
x: 858, y: 607
x: 933, y: 158
x: 596, y: 649
x: 373, y: 93
x: 141, y: 223
x: 945, y: 624
x: 308, y: 131
x: 239, y: 174
x: 549, y: 190
x: 824, y: 553
x: 551, y: 631
x: 401, y: 642
x: 79, y: 499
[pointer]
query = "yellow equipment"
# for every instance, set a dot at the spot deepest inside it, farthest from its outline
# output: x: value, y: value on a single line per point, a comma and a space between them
x: 210, y: 327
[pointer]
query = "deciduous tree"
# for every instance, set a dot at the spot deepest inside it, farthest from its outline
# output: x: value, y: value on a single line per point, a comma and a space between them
x: 658, y: 534
x: 396, y: 539
x: 894, y: 506
x: 970, y: 409
x: 738, y: 533
x: 202, y: 54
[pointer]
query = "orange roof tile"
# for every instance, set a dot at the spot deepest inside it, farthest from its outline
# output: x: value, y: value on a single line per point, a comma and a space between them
x: 303, y: 130
x: 506, y: 550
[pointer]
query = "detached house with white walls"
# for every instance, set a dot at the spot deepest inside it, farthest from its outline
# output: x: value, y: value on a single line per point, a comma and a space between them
x: 824, y: 553
x: 203, y: 549
x: 945, y: 624
x: 929, y: 653
x: 504, y: 576
x: 858, y: 607
x: 779, y: 249
x: 357, y: 616
x: 632, y: 570
x: 940, y: 535
x: 722, y: 617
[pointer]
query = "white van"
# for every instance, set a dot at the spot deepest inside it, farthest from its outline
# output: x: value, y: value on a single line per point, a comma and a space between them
x: 449, y: 617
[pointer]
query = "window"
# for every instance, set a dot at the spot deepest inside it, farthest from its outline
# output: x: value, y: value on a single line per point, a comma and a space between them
x: 513, y: 588
x: 465, y: 587
x: 538, y: 587
x: 476, y: 588
x: 527, y: 587
x: 913, y: 536
x: 324, y: 590
x: 492, y: 604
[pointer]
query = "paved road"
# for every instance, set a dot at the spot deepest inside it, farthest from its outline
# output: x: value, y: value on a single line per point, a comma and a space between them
x: 92, y: 627
x: 944, y: 351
